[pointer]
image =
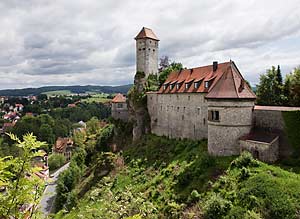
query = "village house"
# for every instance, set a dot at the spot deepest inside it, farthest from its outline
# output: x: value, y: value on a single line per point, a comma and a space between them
x: 64, y: 146
x: 119, y: 108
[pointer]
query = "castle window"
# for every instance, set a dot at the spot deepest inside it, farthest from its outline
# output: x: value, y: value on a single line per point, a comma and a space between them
x: 119, y: 105
x: 198, y: 110
x: 213, y: 115
x: 153, y: 50
x: 206, y: 85
x: 150, y: 41
x: 140, y: 49
x: 149, y: 49
x: 189, y: 97
x: 144, y: 48
x: 177, y: 109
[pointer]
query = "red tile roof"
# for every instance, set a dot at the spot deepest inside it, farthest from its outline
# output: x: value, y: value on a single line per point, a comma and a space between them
x: 225, y: 82
x: 146, y: 33
x: 119, y: 98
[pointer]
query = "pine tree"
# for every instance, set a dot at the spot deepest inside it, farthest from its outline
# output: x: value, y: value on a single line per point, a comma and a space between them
x: 278, y: 75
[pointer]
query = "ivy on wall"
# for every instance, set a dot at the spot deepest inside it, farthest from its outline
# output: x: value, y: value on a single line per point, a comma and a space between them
x: 292, y: 128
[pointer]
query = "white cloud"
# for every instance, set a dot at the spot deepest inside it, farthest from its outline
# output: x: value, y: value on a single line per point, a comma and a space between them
x: 62, y: 42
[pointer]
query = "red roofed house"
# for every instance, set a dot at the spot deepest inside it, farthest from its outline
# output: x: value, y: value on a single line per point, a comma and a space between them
x: 119, y: 108
x: 64, y: 146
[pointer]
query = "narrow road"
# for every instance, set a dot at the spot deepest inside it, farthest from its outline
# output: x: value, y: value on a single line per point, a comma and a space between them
x: 48, y: 197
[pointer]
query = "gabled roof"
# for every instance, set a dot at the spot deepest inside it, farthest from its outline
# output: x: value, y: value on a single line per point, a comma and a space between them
x: 119, y: 98
x: 146, y: 33
x: 225, y: 82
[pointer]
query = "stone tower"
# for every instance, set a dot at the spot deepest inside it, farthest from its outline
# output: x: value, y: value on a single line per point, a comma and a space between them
x: 147, y: 52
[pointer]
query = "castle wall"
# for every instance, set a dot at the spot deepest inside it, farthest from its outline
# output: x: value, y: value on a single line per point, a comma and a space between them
x: 178, y: 115
x: 147, y: 56
x: 235, y: 120
x: 272, y: 120
x: 118, y: 112
x: 269, y: 119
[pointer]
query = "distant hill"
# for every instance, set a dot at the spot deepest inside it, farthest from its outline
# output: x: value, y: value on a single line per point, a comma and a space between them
x: 71, y: 89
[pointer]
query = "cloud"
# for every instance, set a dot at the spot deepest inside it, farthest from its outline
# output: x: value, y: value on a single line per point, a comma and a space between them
x: 64, y: 42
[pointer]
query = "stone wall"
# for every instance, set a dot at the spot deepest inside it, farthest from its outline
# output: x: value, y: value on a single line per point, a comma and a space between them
x: 147, y: 56
x: 178, y: 115
x: 269, y: 119
x: 118, y: 112
x: 235, y: 120
x: 267, y: 152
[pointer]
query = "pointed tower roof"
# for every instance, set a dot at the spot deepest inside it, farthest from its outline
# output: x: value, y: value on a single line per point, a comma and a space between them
x: 119, y: 98
x: 146, y: 33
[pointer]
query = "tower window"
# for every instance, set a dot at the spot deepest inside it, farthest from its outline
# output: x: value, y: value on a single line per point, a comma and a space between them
x: 149, y: 49
x: 213, y: 115
x: 140, y: 49
x: 153, y: 50
x: 144, y: 48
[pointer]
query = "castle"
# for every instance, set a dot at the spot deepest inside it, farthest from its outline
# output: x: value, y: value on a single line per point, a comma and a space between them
x: 211, y: 102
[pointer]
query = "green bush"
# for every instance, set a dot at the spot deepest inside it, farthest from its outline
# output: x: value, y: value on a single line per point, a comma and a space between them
x: 104, y: 138
x: 216, y: 207
x: 55, y: 161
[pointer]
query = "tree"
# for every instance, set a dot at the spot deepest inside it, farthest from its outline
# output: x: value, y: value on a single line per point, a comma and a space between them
x: 92, y: 126
x: 55, y: 161
x: 295, y: 87
x: 175, y: 66
x: 269, y: 90
x: 17, y: 175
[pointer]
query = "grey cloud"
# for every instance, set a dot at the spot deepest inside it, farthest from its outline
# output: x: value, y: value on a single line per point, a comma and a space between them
x: 90, y: 41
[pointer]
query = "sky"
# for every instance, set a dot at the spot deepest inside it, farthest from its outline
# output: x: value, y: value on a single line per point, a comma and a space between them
x: 91, y: 42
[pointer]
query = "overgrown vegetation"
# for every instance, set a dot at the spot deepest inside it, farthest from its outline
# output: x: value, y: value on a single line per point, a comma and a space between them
x: 156, y: 178
x: 18, y: 182
x: 252, y: 189
x: 55, y: 161
x: 163, y: 178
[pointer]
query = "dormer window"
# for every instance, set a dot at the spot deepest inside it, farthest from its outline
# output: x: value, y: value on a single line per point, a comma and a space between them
x: 177, y: 86
x: 165, y: 86
x: 206, y: 84
x: 171, y: 86
x: 187, y: 85
x: 196, y: 85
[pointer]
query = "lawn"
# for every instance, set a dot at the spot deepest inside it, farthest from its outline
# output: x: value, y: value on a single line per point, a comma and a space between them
x: 98, y: 98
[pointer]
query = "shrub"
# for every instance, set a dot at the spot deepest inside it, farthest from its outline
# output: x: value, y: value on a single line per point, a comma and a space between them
x: 216, y: 207
x: 105, y: 138
x: 55, y: 161
x: 244, y: 160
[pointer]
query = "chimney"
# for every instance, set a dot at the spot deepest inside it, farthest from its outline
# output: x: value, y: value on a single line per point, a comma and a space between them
x: 215, y: 66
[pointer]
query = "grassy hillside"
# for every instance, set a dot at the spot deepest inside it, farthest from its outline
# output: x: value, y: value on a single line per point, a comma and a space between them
x: 97, y: 98
x: 162, y: 178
